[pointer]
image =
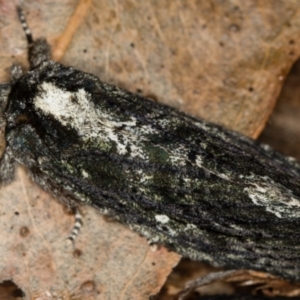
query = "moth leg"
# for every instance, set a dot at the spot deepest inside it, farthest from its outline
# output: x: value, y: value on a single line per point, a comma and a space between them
x: 204, y: 280
x: 38, y: 50
x: 77, y: 226
x: 7, y: 167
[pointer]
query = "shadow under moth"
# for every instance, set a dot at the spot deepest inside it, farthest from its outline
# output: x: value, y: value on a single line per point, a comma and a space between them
x: 205, y: 192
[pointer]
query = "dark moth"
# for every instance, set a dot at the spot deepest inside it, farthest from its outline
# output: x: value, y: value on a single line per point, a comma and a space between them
x: 208, y: 193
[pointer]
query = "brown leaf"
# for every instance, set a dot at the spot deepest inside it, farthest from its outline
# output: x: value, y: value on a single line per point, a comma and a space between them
x: 283, y: 131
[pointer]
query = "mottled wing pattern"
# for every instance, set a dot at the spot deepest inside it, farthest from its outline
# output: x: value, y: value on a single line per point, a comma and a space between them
x: 205, y: 192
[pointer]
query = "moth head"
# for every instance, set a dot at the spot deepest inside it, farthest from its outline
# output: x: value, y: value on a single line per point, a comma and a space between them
x: 38, y: 52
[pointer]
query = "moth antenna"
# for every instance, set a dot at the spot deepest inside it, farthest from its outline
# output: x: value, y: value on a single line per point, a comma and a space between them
x: 77, y: 226
x: 24, y: 24
x: 39, y: 50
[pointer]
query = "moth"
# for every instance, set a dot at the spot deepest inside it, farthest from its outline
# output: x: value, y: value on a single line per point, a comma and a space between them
x: 205, y: 192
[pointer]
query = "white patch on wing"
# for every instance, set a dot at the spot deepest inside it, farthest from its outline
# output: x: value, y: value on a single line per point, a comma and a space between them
x: 77, y: 110
x: 279, y: 201
x: 84, y: 173
x: 199, y: 161
x: 162, y: 219
x: 190, y: 226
